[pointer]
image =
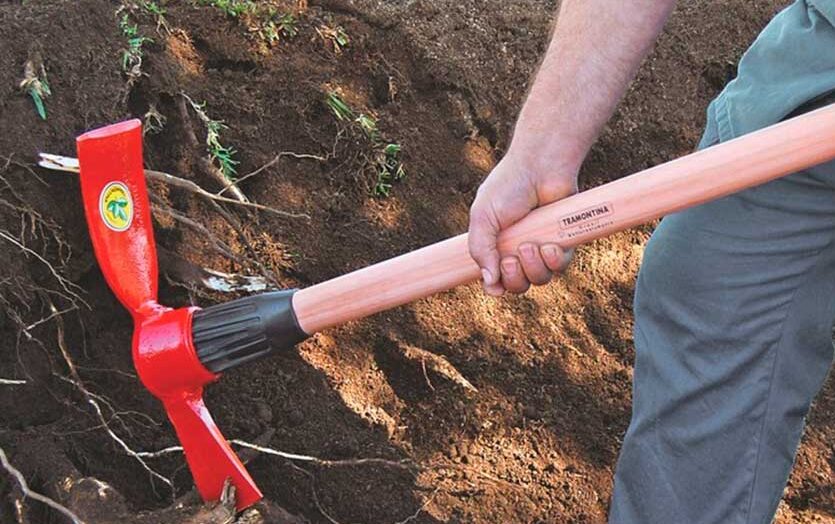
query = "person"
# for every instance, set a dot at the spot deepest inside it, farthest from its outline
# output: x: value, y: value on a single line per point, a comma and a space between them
x: 735, y: 299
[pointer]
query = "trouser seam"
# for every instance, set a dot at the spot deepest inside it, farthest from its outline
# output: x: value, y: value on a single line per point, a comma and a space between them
x: 776, y: 354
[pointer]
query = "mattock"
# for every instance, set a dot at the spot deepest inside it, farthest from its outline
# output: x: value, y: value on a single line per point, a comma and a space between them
x: 178, y: 351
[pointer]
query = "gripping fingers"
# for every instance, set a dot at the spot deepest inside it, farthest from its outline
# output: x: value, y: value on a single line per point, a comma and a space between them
x: 513, y: 276
x: 533, y: 265
x: 555, y: 258
x: 482, y: 245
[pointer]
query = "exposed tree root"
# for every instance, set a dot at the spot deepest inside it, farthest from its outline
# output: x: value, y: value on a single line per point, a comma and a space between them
x: 183, y: 273
x: 70, y: 165
x: 69, y: 287
x: 28, y: 493
x: 295, y: 457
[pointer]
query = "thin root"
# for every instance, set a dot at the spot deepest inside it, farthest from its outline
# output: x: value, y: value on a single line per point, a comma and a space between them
x: 269, y: 165
x: 294, y: 456
x: 91, y: 399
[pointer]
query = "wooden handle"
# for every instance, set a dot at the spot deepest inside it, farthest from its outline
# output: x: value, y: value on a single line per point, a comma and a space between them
x: 706, y: 175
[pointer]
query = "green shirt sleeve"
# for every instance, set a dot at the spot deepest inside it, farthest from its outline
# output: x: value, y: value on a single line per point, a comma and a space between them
x: 791, y: 62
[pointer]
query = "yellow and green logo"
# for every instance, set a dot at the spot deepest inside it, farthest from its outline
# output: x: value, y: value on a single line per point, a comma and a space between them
x: 116, y: 206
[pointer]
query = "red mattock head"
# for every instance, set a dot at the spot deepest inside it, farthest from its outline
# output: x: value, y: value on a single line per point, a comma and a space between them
x: 119, y: 217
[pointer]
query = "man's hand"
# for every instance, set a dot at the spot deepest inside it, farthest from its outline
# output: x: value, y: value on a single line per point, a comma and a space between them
x: 596, y: 48
x: 509, y: 193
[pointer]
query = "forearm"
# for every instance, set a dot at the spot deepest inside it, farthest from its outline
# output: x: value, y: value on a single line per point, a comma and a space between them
x: 594, y: 53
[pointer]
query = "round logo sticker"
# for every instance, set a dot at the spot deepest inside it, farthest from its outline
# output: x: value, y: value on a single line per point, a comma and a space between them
x: 116, y: 206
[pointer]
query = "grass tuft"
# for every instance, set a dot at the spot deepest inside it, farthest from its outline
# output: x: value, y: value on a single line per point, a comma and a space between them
x: 340, y: 108
x: 386, y: 156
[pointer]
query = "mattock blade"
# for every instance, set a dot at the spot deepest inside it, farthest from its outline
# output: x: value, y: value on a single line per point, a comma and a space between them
x: 118, y: 210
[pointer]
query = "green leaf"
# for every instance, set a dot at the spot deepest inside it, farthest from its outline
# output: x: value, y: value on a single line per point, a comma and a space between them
x: 39, y: 105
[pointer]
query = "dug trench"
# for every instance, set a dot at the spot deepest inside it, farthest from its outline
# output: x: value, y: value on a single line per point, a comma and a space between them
x: 486, y: 410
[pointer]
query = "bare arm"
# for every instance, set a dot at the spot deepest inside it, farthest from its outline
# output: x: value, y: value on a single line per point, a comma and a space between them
x: 595, y: 50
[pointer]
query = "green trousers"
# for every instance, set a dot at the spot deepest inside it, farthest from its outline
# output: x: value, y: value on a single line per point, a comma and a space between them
x: 734, y: 308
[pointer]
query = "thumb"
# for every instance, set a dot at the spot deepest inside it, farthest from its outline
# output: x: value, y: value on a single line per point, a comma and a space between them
x: 482, y: 239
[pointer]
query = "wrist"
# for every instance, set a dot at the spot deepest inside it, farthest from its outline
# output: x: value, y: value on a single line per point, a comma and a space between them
x: 555, y: 160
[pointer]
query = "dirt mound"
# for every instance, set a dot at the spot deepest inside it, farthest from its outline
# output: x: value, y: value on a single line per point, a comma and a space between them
x: 510, y: 410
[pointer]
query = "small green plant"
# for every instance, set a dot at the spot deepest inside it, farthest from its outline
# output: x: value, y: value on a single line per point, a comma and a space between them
x: 341, y: 38
x: 368, y: 125
x: 287, y: 25
x: 343, y: 112
x: 233, y: 8
x: 34, y: 83
x: 336, y: 36
x: 152, y: 8
x: 269, y: 32
x: 277, y: 27
x: 222, y: 156
x: 132, y: 56
x: 389, y: 169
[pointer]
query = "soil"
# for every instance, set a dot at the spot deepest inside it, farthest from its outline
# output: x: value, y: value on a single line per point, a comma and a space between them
x: 534, y: 440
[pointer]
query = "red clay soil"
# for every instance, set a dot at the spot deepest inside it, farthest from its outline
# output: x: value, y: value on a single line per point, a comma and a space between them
x: 536, y: 437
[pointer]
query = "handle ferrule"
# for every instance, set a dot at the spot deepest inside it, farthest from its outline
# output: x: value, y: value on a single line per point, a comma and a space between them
x: 232, y: 333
